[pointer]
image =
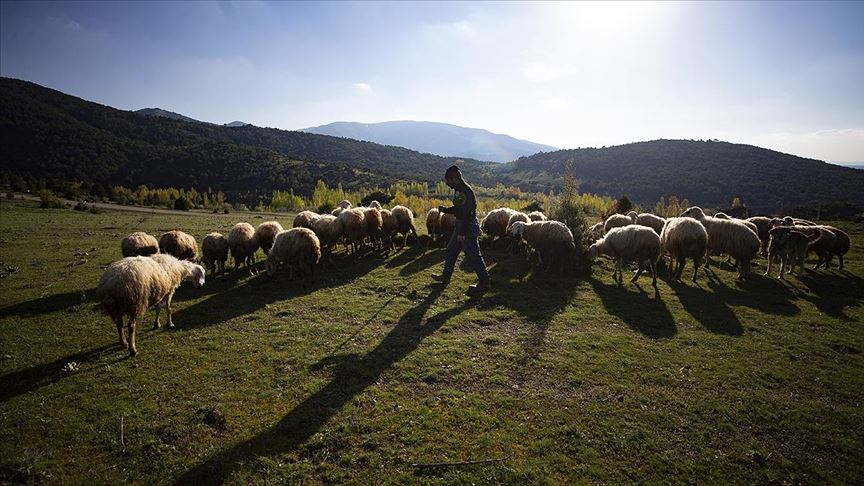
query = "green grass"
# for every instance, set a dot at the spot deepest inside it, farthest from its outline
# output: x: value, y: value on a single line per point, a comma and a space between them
x: 564, y: 378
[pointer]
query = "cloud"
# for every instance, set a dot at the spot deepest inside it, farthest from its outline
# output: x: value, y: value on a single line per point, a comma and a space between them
x: 540, y: 72
x: 836, y: 145
x: 362, y: 87
x: 556, y: 103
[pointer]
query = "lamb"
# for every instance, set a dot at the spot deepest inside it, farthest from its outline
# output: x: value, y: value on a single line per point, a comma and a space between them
x: 179, y: 244
x: 432, y: 217
x: 214, y: 252
x: 790, y: 246
x: 139, y: 243
x: 651, y: 221
x: 389, y: 227
x: 343, y: 205
x: 131, y: 285
x: 354, y: 227
x: 374, y: 225
x: 328, y: 229
x: 552, y: 240
x: 266, y: 233
x: 304, y: 219
x: 536, y: 216
x: 628, y: 244
x: 684, y: 238
x: 243, y: 244
x: 618, y: 220
x: 731, y: 237
x: 299, y: 249
x: 405, y: 220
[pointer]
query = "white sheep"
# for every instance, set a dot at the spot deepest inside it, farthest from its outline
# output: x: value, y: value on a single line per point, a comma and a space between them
x: 243, y: 245
x: 139, y: 243
x: 618, y: 220
x: 305, y: 219
x: 552, y: 240
x: 537, y: 216
x: 179, y: 244
x: 131, y: 285
x: 651, y: 221
x: 432, y: 217
x: 214, y: 252
x: 376, y: 205
x: 328, y: 229
x: 495, y: 223
x: 353, y: 227
x: 405, y: 220
x: 389, y: 228
x: 298, y: 249
x: 628, y: 244
x: 684, y: 238
x: 729, y: 236
x: 374, y: 225
x: 266, y: 233
x: 343, y: 205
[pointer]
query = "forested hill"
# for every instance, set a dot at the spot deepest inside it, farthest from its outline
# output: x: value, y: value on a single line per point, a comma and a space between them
x: 46, y: 133
x: 708, y: 173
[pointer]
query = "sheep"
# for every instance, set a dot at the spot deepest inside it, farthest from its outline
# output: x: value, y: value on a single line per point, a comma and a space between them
x: 304, y: 219
x: 374, y: 224
x: 684, y: 238
x: 405, y: 220
x: 328, y: 229
x: 536, y: 216
x: 354, y: 227
x: 343, y: 205
x: 596, y: 230
x: 131, y: 285
x: 721, y: 215
x: 517, y: 216
x: 179, y: 244
x: 299, y: 249
x: 376, y: 205
x: 266, y: 233
x: 432, y: 222
x: 626, y: 244
x: 214, y: 252
x: 731, y: 237
x: 552, y: 240
x: 139, y: 243
x: 618, y: 220
x: 651, y: 221
x: 446, y: 226
x: 495, y: 223
x: 389, y: 227
x: 833, y: 242
x: 763, y: 226
x: 243, y: 244
x: 791, y: 247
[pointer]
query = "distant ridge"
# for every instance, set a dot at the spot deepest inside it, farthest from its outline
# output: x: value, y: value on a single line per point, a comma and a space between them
x: 160, y: 113
x: 436, y: 138
x: 235, y: 123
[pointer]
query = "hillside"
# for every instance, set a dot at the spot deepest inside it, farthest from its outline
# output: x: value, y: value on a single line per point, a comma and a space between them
x: 708, y: 173
x: 160, y: 113
x: 46, y: 133
x: 436, y: 138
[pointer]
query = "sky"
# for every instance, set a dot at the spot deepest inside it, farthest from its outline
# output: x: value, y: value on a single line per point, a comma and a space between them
x: 786, y: 76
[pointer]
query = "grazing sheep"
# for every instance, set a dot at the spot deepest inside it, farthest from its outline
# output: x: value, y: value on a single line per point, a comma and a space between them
x: 446, y: 226
x: 552, y: 240
x: 628, y: 244
x: 266, y: 233
x: 833, y: 242
x: 328, y: 229
x: 617, y: 221
x: 131, y: 285
x: 405, y: 220
x: 374, y: 225
x: 389, y: 227
x: 243, y: 244
x: 304, y: 219
x: 536, y: 216
x: 214, y: 252
x: 376, y: 205
x: 179, y: 244
x: 731, y: 237
x: 721, y: 215
x: 520, y: 217
x: 139, y: 243
x: 299, y: 249
x: 790, y: 247
x: 432, y: 223
x: 651, y: 221
x: 343, y: 205
x: 684, y: 238
x: 354, y: 227
x: 596, y: 230
x: 495, y: 223
x: 763, y: 226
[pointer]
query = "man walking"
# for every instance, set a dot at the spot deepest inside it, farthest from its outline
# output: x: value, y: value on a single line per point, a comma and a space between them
x: 466, y: 233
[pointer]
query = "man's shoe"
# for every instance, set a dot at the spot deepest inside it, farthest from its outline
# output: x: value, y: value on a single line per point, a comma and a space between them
x: 481, y: 286
x: 441, y: 278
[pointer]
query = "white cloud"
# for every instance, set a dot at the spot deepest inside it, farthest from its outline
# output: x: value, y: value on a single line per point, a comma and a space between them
x: 540, y: 72
x: 362, y: 87
x: 556, y: 103
x: 835, y: 145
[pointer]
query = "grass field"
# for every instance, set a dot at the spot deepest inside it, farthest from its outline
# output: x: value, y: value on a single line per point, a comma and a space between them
x: 558, y: 378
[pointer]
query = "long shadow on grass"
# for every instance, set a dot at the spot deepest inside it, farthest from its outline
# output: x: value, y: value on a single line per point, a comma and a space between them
x: 764, y: 294
x: 351, y: 375
x: 832, y: 293
x: 707, y: 309
x: 637, y: 308
x: 47, y: 305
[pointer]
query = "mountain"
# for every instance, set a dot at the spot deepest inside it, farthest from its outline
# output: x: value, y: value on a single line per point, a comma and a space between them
x: 708, y: 173
x: 436, y: 138
x: 160, y: 113
x: 235, y: 123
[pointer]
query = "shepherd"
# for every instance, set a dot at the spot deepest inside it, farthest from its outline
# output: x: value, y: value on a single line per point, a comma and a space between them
x: 466, y: 234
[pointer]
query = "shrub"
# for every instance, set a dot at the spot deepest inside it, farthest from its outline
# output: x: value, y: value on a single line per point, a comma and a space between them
x: 182, y: 204
x: 376, y: 196
x: 325, y: 208
x: 81, y: 206
x: 569, y: 210
x: 49, y: 199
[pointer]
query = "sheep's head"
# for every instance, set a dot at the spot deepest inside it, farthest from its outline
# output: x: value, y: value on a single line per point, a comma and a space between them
x: 195, y: 274
x: 721, y: 216
x: 516, y: 229
x: 593, y: 250
x: 345, y: 204
x: 694, y: 212
x: 375, y: 204
x: 633, y: 215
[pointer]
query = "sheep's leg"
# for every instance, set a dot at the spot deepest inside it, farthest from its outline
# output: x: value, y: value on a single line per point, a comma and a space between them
x: 156, y: 323
x: 639, y: 270
x: 653, y: 267
x: 783, y: 261
x: 770, y: 263
x: 840, y: 257
x: 680, y: 263
x: 168, y: 308
x: 133, y: 350
x: 119, y: 323
x: 696, y: 263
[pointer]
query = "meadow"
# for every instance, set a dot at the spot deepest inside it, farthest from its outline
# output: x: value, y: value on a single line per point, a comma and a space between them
x: 374, y: 375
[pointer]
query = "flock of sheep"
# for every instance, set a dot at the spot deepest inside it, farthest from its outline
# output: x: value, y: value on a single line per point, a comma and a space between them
x: 151, y: 270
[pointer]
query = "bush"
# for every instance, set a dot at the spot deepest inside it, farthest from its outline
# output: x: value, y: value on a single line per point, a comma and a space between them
x: 81, y: 206
x: 325, y: 208
x: 225, y: 210
x: 182, y: 204
x: 376, y: 196
x: 621, y: 206
x: 49, y: 199
x: 569, y: 210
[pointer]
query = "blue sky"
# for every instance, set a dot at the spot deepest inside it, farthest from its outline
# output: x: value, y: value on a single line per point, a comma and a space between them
x: 787, y: 76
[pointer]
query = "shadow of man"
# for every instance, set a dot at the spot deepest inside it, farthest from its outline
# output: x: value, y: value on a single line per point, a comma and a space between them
x: 351, y: 375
